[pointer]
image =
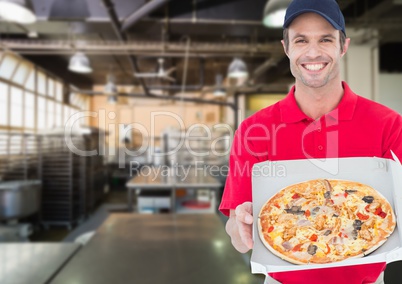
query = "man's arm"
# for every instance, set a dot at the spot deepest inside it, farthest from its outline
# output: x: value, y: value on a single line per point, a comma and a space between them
x: 239, y: 227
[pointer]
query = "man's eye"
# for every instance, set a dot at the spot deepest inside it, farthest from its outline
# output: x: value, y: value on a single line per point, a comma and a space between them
x: 326, y: 40
x: 300, y: 41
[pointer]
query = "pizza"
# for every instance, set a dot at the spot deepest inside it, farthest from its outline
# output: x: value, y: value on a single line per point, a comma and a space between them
x: 325, y: 221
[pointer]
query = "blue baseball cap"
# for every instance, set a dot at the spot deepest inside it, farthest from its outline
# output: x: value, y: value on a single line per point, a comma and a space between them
x: 329, y: 9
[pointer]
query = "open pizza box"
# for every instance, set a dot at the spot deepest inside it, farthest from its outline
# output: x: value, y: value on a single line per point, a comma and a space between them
x: 384, y: 175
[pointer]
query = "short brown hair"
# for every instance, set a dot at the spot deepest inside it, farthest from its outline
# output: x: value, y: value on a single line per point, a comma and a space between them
x: 342, y: 38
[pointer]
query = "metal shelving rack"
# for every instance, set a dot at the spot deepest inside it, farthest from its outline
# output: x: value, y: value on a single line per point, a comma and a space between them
x: 19, y: 156
x: 63, y: 181
x: 72, y: 184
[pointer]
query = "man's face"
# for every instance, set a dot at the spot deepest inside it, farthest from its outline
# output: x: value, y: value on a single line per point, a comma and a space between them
x: 314, y: 50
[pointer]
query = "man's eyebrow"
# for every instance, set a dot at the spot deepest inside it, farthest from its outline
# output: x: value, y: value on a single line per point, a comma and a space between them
x: 329, y: 35
x: 299, y: 35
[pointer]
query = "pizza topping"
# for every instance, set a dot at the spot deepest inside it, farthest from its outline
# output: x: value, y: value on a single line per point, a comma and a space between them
x: 368, y: 199
x: 336, y: 240
x: 297, y: 247
x: 295, y: 196
x: 365, y: 234
x: 287, y: 245
x: 354, y: 234
x: 312, y: 249
x: 323, y: 221
x: 362, y: 216
x: 289, y: 233
x: 295, y: 210
x: 357, y: 224
x: 382, y: 215
x: 320, y: 222
x: 328, y: 249
x: 286, y: 218
x: 303, y: 223
x: 342, y: 235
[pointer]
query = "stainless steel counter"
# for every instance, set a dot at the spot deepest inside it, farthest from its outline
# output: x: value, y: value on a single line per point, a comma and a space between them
x: 170, y: 179
x: 22, y: 263
x: 161, y: 248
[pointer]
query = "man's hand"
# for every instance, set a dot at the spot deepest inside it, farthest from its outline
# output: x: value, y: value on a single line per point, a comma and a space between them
x: 239, y: 227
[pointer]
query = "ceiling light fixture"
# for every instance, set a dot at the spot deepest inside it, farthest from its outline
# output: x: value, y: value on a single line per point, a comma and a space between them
x: 111, y: 89
x: 274, y: 13
x: 79, y: 63
x: 237, y: 69
x: 19, y: 11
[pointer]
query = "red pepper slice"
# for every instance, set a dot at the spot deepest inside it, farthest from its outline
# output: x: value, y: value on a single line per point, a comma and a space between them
x: 297, y: 247
x: 382, y: 214
x: 345, y: 194
x: 313, y: 237
x: 328, y: 249
x: 362, y: 216
x: 367, y: 208
x: 296, y: 196
x: 270, y: 229
x: 378, y: 211
x: 307, y: 213
x: 277, y: 205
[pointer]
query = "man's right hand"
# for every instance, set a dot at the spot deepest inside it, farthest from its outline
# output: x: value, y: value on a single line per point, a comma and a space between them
x: 239, y: 227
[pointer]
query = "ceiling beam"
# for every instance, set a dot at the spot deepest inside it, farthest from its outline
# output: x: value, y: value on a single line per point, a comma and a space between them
x: 143, y: 11
x: 123, y: 38
x: 197, y: 49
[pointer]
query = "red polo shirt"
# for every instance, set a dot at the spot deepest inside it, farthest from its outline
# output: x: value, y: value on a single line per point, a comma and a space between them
x: 358, y: 127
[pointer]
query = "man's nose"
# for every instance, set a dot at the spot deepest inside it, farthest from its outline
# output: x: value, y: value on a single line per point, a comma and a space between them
x: 314, y: 50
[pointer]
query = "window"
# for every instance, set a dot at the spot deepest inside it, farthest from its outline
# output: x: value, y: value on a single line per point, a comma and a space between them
x: 29, y: 110
x: 30, y: 85
x: 66, y: 112
x: 59, y: 114
x: 59, y: 92
x: 21, y: 73
x: 3, y: 104
x: 50, y: 114
x: 41, y: 83
x: 7, y: 66
x: 50, y: 88
x: 41, y: 113
x: 31, y: 99
x: 16, y: 110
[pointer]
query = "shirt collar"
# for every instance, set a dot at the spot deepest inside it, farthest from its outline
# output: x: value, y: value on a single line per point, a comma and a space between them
x: 291, y: 113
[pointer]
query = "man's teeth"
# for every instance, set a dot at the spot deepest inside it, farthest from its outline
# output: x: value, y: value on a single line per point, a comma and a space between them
x: 314, y: 67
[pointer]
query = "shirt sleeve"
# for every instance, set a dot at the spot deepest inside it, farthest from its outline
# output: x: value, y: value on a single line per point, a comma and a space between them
x: 393, y: 140
x: 238, y: 182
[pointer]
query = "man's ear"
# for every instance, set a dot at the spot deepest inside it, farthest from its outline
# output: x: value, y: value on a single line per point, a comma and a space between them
x: 345, y: 46
x: 284, y: 48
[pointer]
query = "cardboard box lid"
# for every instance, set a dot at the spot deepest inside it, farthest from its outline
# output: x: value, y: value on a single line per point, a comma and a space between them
x: 270, y: 177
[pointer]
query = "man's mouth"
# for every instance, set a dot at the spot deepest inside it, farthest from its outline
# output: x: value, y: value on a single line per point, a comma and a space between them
x: 314, y: 67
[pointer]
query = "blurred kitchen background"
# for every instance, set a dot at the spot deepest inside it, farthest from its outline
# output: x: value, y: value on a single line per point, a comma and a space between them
x: 140, y: 85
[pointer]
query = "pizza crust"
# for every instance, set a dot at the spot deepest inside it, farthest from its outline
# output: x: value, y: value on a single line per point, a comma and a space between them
x: 277, y: 224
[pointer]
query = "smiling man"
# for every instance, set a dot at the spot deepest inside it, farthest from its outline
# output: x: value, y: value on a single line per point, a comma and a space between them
x: 320, y: 118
